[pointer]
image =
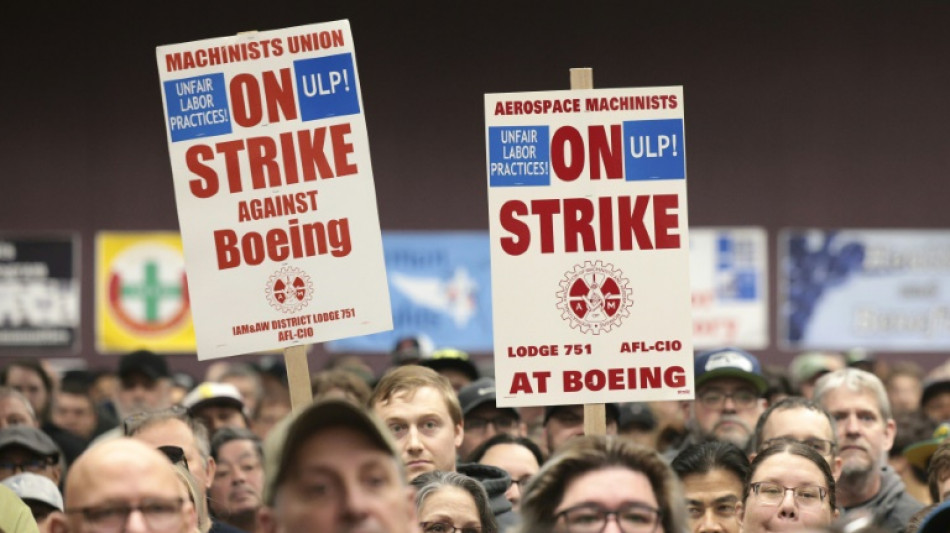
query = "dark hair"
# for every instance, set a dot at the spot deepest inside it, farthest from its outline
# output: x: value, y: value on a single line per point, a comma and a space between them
x: 792, y: 402
x: 34, y: 366
x: 227, y: 434
x: 713, y: 455
x: 938, y: 468
x: 792, y: 447
x: 505, y: 438
x: 590, y: 453
x: 431, y: 482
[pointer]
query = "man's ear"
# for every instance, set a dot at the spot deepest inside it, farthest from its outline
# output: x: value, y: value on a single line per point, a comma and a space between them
x: 459, y: 435
x: 57, y: 523
x: 212, y: 468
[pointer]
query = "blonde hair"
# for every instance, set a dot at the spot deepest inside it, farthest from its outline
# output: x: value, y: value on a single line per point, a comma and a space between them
x: 410, y: 378
x: 191, y: 487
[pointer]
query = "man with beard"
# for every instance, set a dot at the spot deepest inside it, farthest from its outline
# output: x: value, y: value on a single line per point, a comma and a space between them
x: 858, y: 403
x: 729, y: 390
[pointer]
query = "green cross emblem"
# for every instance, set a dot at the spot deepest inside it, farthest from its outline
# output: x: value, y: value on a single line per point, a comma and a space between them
x: 151, y: 291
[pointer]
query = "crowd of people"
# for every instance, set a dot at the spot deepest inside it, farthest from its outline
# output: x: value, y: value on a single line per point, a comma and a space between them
x: 831, y: 443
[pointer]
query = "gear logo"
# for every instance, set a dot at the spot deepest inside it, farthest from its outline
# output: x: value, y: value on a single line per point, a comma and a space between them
x: 594, y: 297
x: 289, y: 290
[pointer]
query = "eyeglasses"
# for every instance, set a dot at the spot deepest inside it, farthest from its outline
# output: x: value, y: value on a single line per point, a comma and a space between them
x: 773, y: 493
x: 822, y: 446
x: 35, y: 466
x: 159, y: 514
x: 592, y: 518
x: 501, y: 423
x: 132, y: 423
x: 715, y: 399
x: 445, y: 527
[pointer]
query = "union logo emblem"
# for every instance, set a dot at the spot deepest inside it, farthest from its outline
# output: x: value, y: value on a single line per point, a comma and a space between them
x: 594, y: 297
x: 289, y: 290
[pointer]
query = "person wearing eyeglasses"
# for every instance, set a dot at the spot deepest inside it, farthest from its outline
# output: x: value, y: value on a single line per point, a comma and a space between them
x: 713, y: 474
x: 730, y: 389
x: 449, y: 502
x: 124, y: 485
x: 790, y: 488
x: 598, y: 484
x: 27, y: 449
x: 483, y: 419
x: 802, y: 420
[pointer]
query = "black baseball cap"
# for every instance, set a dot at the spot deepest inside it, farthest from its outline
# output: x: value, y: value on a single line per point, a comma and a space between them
x: 144, y: 362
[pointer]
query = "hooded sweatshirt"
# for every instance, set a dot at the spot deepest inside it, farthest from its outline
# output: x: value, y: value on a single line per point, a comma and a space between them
x: 891, y: 507
x: 496, y: 482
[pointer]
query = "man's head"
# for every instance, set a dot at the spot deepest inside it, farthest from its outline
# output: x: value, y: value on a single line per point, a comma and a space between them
x: 483, y: 419
x: 39, y: 493
x: 216, y: 405
x: 712, y: 474
x: 174, y: 427
x: 31, y: 380
x: 237, y: 489
x: 564, y: 422
x: 858, y: 404
x: 15, y: 409
x: 454, y: 364
x: 247, y: 379
x: 334, y: 467
x: 74, y: 410
x: 729, y: 389
x: 805, y: 369
x: 904, y: 384
x: 27, y: 449
x: 935, y: 398
x: 125, y: 485
x: 144, y: 383
x: 421, y: 410
x: 799, y: 419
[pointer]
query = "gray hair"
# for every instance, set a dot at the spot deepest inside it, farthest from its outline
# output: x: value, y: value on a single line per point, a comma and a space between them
x: 431, y: 482
x: 856, y: 380
x: 136, y: 423
x: 10, y: 392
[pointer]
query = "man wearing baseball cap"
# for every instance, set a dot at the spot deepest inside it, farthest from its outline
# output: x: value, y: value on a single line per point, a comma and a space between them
x: 483, y: 419
x: 335, y: 446
x: 216, y: 405
x: 729, y: 398
x: 39, y: 493
x: 27, y: 449
x: 144, y: 383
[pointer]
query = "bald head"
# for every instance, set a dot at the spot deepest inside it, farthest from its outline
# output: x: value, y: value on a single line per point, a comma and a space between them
x: 124, y: 472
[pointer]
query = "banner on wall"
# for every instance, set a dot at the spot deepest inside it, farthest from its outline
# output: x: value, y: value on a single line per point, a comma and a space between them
x: 39, y: 291
x: 274, y: 187
x: 439, y: 287
x: 886, y: 290
x: 729, y: 277
x: 142, y: 293
x: 589, y: 246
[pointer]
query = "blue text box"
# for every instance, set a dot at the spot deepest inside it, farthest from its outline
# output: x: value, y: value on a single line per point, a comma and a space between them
x: 519, y: 156
x: 654, y: 150
x: 197, y: 107
x: 326, y: 87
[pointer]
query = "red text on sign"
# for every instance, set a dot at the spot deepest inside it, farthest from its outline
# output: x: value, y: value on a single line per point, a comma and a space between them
x: 308, y: 154
x: 588, y: 226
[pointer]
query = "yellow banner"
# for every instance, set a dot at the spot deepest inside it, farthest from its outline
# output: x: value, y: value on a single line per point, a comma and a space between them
x: 142, y: 293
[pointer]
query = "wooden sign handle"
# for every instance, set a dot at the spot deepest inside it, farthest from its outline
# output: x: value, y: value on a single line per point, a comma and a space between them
x: 595, y: 414
x: 298, y: 377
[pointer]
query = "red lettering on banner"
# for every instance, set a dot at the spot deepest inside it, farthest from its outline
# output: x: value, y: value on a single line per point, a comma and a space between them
x: 261, y: 154
x: 521, y: 383
x: 578, y: 225
x: 247, y: 98
x: 604, y: 153
x: 623, y: 378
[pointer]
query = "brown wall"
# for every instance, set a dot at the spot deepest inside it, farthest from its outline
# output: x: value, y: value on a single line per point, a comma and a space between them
x: 820, y: 114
